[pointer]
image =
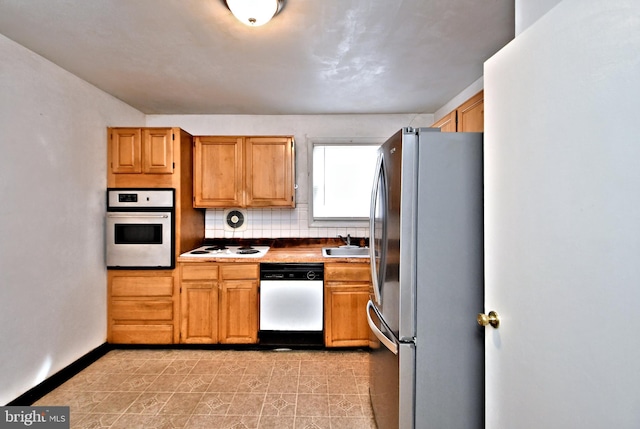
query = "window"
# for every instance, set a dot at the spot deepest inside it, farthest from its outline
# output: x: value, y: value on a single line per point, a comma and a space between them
x: 341, y: 180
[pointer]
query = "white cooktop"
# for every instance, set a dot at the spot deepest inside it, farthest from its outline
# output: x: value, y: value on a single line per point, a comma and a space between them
x: 214, y: 251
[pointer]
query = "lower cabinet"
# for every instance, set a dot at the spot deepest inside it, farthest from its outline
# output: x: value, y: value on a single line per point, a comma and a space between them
x: 199, y: 303
x: 238, y: 322
x: 141, y: 307
x: 347, y: 289
x: 209, y: 303
x: 219, y: 303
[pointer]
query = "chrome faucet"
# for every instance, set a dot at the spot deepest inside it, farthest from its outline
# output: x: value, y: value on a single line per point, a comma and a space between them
x: 346, y: 240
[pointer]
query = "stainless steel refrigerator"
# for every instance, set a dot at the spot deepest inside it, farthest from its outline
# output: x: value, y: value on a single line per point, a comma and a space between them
x: 427, y: 367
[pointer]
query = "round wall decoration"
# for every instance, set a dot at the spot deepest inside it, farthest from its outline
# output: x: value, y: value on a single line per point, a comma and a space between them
x: 235, y: 219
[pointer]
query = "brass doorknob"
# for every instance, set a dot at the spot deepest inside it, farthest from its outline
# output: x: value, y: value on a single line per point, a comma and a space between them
x: 492, y: 319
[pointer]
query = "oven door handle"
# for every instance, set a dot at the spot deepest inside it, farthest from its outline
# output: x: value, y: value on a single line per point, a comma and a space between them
x: 125, y: 216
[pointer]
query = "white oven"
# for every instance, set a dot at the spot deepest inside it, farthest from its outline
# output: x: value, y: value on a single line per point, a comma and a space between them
x: 140, y: 228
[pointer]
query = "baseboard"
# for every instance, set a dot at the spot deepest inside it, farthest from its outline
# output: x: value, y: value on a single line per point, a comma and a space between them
x: 306, y: 339
x: 32, y: 395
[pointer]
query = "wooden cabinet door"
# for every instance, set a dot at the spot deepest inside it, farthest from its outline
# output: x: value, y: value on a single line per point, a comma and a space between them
x: 141, y: 150
x: 471, y: 114
x: 158, y: 151
x: 269, y: 172
x: 239, y: 312
x: 345, y: 315
x: 447, y: 124
x: 199, y: 302
x: 218, y: 172
x: 126, y: 150
x: 219, y: 303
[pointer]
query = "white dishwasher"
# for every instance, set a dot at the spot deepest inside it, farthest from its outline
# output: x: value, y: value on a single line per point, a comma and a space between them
x: 291, y: 303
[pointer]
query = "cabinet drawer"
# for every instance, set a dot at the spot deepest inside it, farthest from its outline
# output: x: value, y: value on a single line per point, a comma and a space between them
x: 347, y: 272
x: 141, y: 334
x: 199, y: 272
x: 142, y: 310
x: 240, y: 271
x: 142, y: 286
x: 342, y: 287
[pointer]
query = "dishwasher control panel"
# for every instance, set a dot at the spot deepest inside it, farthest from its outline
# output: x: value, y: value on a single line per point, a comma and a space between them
x: 292, y: 271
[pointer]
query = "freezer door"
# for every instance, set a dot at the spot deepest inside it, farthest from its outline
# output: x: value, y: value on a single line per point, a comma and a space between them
x: 392, y: 376
x: 407, y: 405
x: 386, y: 384
x: 384, y: 388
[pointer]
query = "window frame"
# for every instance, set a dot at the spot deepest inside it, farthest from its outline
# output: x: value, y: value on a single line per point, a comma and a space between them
x: 350, y: 222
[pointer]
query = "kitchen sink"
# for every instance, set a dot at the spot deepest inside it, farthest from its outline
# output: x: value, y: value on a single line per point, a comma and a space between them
x: 345, y: 252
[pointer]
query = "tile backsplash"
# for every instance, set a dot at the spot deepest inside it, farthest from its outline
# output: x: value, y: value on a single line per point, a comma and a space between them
x: 275, y: 223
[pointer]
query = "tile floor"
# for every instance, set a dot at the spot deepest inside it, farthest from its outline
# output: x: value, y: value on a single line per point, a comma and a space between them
x: 213, y: 389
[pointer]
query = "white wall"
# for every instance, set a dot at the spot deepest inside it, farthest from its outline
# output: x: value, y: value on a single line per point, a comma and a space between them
x: 529, y: 11
x: 278, y: 223
x: 52, y: 192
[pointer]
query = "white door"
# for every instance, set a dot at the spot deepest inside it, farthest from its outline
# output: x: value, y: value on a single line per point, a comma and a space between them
x: 562, y: 221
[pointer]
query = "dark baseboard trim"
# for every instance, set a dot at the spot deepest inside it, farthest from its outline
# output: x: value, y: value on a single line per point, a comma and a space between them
x: 306, y: 339
x: 32, y: 395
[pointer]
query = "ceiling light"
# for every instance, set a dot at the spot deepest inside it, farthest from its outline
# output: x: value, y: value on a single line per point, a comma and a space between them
x: 254, y: 12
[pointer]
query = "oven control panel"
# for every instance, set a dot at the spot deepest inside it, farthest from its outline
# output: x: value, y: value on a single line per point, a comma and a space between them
x: 127, y: 198
x: 121, y: 198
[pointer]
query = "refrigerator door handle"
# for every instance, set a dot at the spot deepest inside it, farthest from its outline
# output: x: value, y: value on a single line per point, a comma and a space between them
x: 375, y: 277
x: 388, y: 342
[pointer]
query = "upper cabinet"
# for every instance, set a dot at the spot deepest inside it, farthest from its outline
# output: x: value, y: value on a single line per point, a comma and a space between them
x: 448, y: 123
x: 149, y: 158
x: 471, y: 114
x: 237, y: 171
x: 218, y: 171
x: 141, y: 150
x: 157, y: 151
x: 125, y: 150
x: 468, y: 117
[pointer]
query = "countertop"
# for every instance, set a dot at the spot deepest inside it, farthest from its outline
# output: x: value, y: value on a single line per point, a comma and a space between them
x: 286, y: 251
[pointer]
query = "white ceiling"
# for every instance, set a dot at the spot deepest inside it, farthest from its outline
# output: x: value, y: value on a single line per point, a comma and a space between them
x: 315, y: 57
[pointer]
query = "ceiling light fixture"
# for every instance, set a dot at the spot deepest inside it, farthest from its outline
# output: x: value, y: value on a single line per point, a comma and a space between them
x: 254, y: 13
